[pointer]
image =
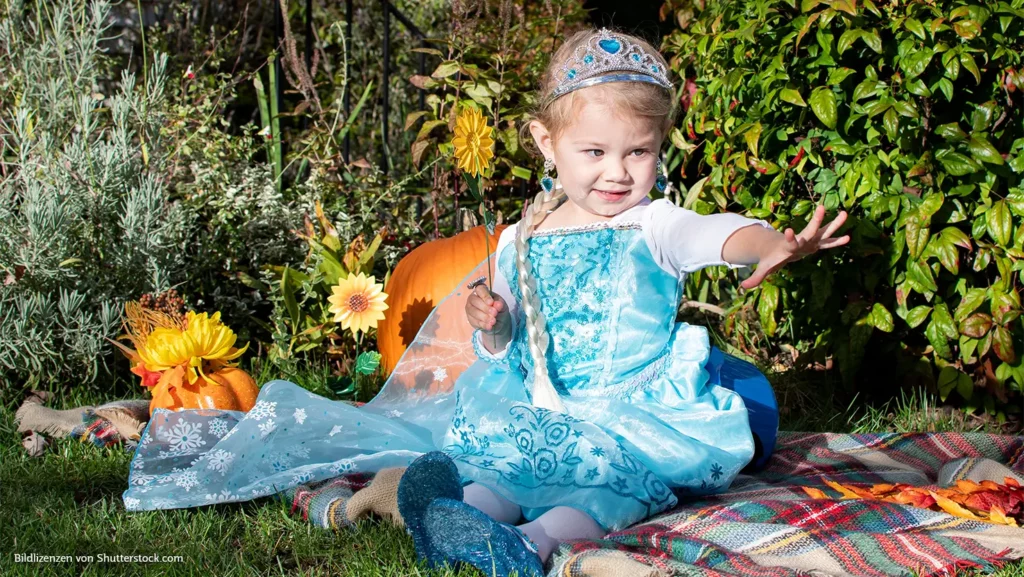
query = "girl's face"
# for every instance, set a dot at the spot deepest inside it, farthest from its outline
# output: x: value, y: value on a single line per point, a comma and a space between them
x: 605, y: 160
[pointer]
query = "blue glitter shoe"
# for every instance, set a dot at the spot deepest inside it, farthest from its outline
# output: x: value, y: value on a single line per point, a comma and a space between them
x: 430, y: 476
x: 463, y: 533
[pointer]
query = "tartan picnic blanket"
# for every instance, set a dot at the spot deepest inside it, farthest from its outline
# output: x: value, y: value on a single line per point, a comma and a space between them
x: 766, y: 525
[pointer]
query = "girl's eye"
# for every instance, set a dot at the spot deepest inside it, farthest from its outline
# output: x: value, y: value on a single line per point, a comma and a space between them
x: 597, y: 152
x: 641, y: 151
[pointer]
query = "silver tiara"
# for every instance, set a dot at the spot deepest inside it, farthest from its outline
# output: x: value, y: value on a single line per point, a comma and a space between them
x: 607, y: 52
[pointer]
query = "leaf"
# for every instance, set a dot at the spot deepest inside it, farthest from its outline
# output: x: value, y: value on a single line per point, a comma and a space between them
x: 999, y: 222
x: 956, y: 237
x: 823, y: 103
x: 473, y: 184
x: 367, y: 362
x: 968, y: 62
x: 1005, y: 307
x: 932, y: 204
x: 752, y: 135
x: 949, y: 379
x: 944, y: 322
x: 766, y: 305
x: 937, y: 340
x: 921, y: 275
x: 983, y: 150
x: 891, y: 121
x: 413, y: 117
x: 915, y: 64
x: 428, y: 127
x: 872, y: 39
x: 970, y: 302
x: 905, y: 109
x: 956, y: 163
x: 967, y: 29
x: 976, y: 325
x: 792, y: 96
x: 344, y: 386
x: 446, y: 69
x: 941, y: 247
x: 848, y: 6
x: 288, y: 289
x: 694, y: 193
x: 1002, y: 344
x: 523, y: 173
x: 880, y: 318
x: 418, y: 148
x: 423, y: 83
x: 917, y: 233
x: 915, y: 27
x: 918, y: 315
x: 34, y: 443
x: 837, y: 75
x: 847, y: 39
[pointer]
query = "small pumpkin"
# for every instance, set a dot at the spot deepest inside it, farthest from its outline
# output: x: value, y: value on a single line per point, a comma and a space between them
x: 421, y: 279
x: 229, y: 388
x: 186, y: 361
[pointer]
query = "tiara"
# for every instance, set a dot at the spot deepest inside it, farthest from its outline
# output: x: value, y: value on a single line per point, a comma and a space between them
x: 607, y: 52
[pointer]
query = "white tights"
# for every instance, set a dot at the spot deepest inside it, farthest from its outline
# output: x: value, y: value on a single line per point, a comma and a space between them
x: 547, y: 531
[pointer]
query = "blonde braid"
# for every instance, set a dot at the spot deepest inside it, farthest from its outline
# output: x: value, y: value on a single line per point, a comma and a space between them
x: 544, y: 394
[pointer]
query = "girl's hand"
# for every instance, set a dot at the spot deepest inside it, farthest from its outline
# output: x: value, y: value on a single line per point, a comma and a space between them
x: 488, y: 312
x: 793, y: 246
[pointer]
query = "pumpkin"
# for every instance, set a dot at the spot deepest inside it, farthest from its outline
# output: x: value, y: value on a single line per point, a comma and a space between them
x: 229, y: 388
x: 421, y: 279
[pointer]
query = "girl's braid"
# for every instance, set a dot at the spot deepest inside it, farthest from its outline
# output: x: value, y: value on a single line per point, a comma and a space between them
x: 544, y: 394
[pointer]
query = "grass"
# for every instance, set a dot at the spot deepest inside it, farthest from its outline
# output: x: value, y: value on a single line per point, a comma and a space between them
x: 68, y: 502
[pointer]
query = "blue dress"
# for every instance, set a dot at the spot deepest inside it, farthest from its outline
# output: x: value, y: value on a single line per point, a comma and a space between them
x: 643, y: 421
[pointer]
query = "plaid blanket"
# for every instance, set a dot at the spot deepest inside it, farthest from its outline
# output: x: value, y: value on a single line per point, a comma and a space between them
x: 766, y: 525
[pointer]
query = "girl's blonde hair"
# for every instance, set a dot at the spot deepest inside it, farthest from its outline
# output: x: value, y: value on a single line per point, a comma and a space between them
x: 648, y: 101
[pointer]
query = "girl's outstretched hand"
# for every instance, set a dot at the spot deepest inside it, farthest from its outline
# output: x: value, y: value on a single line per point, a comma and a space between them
x: 794, y: 246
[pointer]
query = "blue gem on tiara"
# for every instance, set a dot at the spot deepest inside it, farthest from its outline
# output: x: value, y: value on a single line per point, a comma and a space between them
x: 610, y: 45
x: 608, y: 57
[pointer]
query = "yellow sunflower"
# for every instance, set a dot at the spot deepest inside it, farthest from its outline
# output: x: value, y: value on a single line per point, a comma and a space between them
x: 473, y: 142
x: 358, y: 302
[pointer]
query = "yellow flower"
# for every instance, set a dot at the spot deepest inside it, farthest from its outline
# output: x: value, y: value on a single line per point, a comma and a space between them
x: 164, y: 348
x: 358, y: 302
x: 473, y: 143
x: 208, y: 340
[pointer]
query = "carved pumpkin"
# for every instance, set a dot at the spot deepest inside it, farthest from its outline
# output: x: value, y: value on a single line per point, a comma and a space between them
x: 229, y: 388
x: 422, y: 278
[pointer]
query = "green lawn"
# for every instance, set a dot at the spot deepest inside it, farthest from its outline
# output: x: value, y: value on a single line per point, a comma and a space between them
x: 68, y: 502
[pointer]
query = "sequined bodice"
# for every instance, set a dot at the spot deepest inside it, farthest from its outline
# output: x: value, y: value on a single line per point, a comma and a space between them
x: 610, y: 309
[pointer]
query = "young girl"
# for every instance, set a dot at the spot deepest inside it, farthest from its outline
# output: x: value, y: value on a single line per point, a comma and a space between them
x: 571, y: 399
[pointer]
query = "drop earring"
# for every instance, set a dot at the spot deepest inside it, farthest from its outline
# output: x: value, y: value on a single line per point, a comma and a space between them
x: 547, y: 182
x: 661, y: 181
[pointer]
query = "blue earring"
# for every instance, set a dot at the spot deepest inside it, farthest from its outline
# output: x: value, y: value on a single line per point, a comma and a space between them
x: 546, y: 181
x: 661, y: 182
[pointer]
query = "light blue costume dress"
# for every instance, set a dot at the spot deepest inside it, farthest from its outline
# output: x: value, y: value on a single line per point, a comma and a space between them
x: 643, y: 420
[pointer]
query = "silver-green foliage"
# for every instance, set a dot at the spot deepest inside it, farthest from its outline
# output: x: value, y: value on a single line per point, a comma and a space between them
x: 85, y: 220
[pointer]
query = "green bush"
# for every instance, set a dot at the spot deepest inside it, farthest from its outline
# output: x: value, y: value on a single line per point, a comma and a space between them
x: 85, y: 220
x: 909, y: 116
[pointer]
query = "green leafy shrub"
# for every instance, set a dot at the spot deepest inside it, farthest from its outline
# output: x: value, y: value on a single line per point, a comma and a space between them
x: 909, y: 116
x: 85, y: 220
